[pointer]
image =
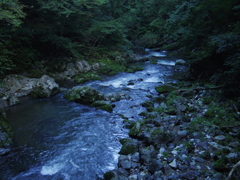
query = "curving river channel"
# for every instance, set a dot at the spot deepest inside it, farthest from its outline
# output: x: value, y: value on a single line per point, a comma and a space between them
x: 56, y: 139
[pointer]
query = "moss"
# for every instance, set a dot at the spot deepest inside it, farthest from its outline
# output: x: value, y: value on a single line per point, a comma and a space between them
x: 220, y: 165
x: 81, y: 78
x: 111, y: 67
x: 128, y: 146
x: 83, y: 94
x: 109, y: 175
x: 153, y: 61
x: 5, y: 129
x: 143, y: 114
x: 104, y: 105
x: 133, y: 69
x: 165, y: 88
x: 134, y: 130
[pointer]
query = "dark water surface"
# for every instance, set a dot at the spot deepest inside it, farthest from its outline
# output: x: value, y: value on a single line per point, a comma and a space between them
x: 57, y: 139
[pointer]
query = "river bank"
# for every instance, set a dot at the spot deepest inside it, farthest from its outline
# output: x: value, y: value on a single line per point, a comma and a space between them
x: 187, y: 132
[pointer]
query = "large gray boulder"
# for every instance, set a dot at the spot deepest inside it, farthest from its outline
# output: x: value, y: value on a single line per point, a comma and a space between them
x: 18, y: 85
x: 45, y: 87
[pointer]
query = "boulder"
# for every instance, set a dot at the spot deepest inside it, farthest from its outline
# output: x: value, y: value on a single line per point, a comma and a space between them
x: 18, y: 85
x: 84, y: 95
x: 45, y: 87
x: 83, y: 66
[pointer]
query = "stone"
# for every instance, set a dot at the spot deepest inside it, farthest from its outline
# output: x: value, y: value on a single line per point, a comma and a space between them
x: 154, y: 165
x: 147, y: 154
x: 232, y: 155
x: 190, y: 175
x: 220, y: 137
x: 126, y: 164
x: 182, y: 133
x: 129, y: 147
x: 173, y: 164
x: 135, y: 157
x: 198, y: 159
x: 234, y: 144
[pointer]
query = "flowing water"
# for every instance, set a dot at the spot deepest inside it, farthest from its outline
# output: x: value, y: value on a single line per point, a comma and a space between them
x: 55, y: 139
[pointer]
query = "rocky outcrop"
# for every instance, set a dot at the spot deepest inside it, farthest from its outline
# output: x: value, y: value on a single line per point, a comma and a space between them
x: 16, y: 86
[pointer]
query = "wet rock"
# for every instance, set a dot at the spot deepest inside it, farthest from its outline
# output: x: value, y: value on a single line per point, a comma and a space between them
x: 135, y: 157
x: 83, y: 94
x: 190, y: 175
x: 174, y: 177
x: 147, y: 154
x: 128, y: 147
x: 135, y: 130
x: 155, y: 165
x: 125, y: 164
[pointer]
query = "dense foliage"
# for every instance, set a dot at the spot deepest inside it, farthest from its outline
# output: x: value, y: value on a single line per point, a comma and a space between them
x: 48, y: 32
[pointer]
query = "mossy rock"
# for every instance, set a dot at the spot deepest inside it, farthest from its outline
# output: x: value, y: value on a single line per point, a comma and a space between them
x: 109, y: 175
x: 128, y: 146
x: 135, y: 130
x: 104, y: 105
x: 133, y: 69
x: 84, y: 95
x: 81, y: 78
x: 165, y: 88
x: 128, y: 124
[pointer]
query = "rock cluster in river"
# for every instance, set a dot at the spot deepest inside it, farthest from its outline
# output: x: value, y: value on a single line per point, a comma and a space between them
x: 171, y: 143
x: 90, y: 96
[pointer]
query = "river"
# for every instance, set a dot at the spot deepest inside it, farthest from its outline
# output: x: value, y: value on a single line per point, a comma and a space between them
x: 56, y: 139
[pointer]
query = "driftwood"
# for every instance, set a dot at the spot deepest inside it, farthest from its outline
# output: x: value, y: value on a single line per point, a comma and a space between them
x: 233, y: 169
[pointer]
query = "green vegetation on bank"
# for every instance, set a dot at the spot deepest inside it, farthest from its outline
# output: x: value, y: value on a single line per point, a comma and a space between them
x: 5, y: 130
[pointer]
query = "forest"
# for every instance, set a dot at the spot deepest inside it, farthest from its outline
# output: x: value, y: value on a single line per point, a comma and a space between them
x: 47, y: 33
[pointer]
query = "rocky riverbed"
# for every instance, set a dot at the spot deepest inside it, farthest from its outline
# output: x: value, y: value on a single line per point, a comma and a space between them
x: 184, y: 134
